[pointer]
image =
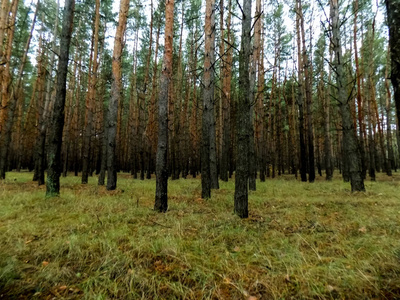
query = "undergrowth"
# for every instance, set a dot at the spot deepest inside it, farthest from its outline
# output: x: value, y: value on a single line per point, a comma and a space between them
x: 301, y: 241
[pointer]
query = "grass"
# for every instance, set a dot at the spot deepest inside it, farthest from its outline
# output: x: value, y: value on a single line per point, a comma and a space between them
x: 302, y: 241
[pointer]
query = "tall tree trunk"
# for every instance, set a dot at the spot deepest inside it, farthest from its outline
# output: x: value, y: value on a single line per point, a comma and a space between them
x: 213, y: 139
x: 208, y: 101
x: 161, y: 199
x: 300, y: 101
x: 307, y: 68
x: 116, y: 92
x: 259, y: 102
x: 371, y: 140
x: 359, y: 98
x: 253, y: 93
x: 393, y: 19
x: 350, y: 144
x: 40, y: 112
x: 57, y: 124
x: 91, y: 98
x: 389, y: 137
x: 8, y: 95
x: 327, y: 139
x: 243, y: 116
x: 226, y: 100
x: 151, y: 125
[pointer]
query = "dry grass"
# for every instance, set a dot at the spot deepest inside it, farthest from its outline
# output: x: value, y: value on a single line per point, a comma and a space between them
x: 302, y: 241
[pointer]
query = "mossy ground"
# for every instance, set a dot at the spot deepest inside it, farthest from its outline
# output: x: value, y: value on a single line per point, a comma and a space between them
x: 302, y: 241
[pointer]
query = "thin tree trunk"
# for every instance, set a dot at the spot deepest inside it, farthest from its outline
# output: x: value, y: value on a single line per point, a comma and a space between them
x: 8, y: 99
x: 161, y: 199
x: 243, y: 117
x: 213, y: 141
x: 393, y: 20
x: 57, y: 124
x: 259, y: 102
x: 307, y: 68
x: 389, y: 142
x: 116, y: 92
x: 359, y: 96
x: 327, y: 139
x: 91, y: 98
x: 208, y: 99
x: 226, y: 100
x: 350, y: 144
x: 300, y: 101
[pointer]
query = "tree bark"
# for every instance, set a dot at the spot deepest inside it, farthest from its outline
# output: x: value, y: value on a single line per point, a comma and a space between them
x: 307, y: 69
x: 300, y: 102
x: 226, y: 100
x: 243, y: 116
x: 208, y: 99
x: 8, y: 95
x: 57, y: 124
x: 350, y: 145
x: 161, y: 199
x: 359, y: 97
x: 91, y: 98
x: 389, y: 137
x: 393, y: 19
x: 116, y: 91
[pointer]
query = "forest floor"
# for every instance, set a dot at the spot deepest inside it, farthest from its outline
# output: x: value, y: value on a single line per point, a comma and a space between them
x: 301, y: 241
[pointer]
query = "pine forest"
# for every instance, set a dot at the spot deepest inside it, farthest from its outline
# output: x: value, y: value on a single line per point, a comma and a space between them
x: 139, y: 138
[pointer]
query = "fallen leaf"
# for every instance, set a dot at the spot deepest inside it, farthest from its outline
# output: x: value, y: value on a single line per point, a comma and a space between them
x: 236, y: 249
x: 252, y: 298
x: 330, y: 288
x: 62, y: 288
x: 362, y: 229
x: 227, y: 280
x: 45, y: 263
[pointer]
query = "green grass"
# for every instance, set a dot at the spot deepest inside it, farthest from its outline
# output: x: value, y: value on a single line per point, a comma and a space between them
x: 302, y: 241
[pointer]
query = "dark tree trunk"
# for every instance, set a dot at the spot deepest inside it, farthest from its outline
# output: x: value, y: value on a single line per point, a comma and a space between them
x: 371, y: 143
x: 161, y: 200
x: 57, y: 123
x: 300, y: 103
x: 243, y: 117
x: 393, y: 19
x: 308, y: 89
x: 208, y: 101
x: 103, y: 155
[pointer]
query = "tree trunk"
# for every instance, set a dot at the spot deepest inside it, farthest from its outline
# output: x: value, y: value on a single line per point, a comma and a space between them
x: 359, y: 97
x: 389, y: 142
x: 91, y: 98
x: 327, y: 139
x: 350, y: 145
x: 8, y: 100
x: 226, y: 100
x: 208, y: 101
x: 300, y: 102
x: 116, y: 92
x: 57, y: 124
x: 393, y: 19
x: 243, y: 116
x: 259, y: 102
x: 161, y: 199
x: 307, y: 68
